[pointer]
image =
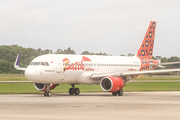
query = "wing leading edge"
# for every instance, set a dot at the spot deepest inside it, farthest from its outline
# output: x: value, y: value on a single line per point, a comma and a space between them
x: 99, y: 76
x: 166, y: 63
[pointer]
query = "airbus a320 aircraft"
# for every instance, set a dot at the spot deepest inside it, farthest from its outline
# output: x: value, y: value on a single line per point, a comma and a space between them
x: 111, y: 72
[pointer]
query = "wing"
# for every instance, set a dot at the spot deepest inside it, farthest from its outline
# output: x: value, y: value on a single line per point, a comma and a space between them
x: 150, y: 72
x: 160, y: 64
x: 166, y: 63
x: 99, y: 76
x: 16, y: 64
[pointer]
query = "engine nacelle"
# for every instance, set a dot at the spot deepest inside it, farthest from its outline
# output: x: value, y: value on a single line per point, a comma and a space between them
x: 111, y: 84
x: 43, y: 87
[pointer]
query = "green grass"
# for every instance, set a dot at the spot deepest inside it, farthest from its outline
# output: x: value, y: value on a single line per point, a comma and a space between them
x: 153, y: 86
x: 13, y: 77
x: 63, y: 88
x: 29, y: 88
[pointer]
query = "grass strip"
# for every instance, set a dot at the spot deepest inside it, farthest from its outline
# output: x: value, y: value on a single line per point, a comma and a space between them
x: 152, y: 86
x: 64, y: 88
x: 13, y: 77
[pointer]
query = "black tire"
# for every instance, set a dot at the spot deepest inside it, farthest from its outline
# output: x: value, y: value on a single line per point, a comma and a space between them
x: 45, y: 94
x: 71, y: 91
x: 49, y: 94
x: 76, y: 91
x: 120, y: 92
x: 114, y: 93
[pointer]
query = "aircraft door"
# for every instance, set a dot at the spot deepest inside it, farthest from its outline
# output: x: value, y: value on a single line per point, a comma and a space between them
x: 58, y: 65
x: 59, y: 68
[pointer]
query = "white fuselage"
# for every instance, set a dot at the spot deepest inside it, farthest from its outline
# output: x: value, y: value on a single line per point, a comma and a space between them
x: 55, y: 68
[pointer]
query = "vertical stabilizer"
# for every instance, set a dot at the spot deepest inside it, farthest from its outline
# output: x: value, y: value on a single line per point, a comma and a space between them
x: 146, y: 48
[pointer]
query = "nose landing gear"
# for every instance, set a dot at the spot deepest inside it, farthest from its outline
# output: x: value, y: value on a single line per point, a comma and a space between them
x: 47, y: 92
x: 73, y: 90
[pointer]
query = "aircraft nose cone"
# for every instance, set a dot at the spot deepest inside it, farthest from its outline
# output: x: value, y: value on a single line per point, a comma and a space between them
x: 31, y: 74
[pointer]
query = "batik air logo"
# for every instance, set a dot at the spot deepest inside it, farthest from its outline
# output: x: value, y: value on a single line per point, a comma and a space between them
x: 84, y: 64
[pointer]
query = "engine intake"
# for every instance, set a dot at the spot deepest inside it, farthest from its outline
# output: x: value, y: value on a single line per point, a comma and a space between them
x: 111, y: 84
x: 43, y: 87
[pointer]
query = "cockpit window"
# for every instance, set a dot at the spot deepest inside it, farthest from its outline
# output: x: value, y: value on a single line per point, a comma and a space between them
x: 36, y: 63
x: 42, y: 63
x: 31, y: 63
x: 47, y: 64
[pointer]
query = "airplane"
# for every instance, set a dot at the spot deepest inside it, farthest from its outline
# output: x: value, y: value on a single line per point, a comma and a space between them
x: 111, y: 72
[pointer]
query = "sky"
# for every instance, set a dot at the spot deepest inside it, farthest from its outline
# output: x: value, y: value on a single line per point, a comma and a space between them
x: 111, y: 26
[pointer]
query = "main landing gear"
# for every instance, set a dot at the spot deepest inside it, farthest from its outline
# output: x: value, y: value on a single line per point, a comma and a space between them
x: 73, y: 90
x: 119, y: 93
x: 47, y: 93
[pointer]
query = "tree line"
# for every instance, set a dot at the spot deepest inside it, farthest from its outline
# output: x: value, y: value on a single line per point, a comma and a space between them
x: 8, y: 55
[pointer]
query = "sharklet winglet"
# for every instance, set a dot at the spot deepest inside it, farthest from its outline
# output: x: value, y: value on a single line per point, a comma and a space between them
x: 16, y: 64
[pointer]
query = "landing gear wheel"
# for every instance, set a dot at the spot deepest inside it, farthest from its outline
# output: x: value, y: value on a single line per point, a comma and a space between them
x: 49, y: 94
x: 76, y: 91
x: 45, y: 94
x: 71, y: 91
x: 114, y: 93
x: 120, y: 92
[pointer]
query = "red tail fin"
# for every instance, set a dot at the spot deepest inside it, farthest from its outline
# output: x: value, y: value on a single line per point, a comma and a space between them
x: 146, y: 49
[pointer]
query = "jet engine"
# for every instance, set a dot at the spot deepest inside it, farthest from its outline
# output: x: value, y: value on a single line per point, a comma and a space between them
x: 43, y: 87
x: 111, y: 84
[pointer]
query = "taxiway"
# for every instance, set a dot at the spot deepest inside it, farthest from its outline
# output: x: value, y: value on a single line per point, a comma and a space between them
x: 88, y: 106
